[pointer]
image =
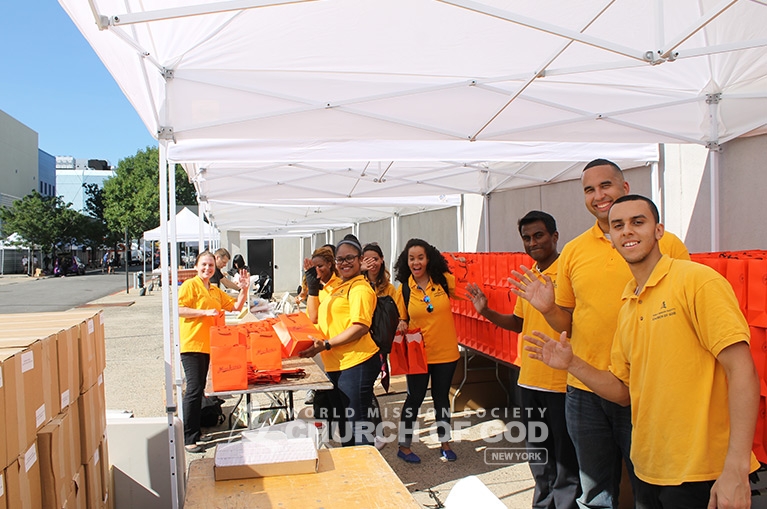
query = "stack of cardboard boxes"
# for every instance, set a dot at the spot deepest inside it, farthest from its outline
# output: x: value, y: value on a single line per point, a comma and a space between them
x: 53, y: 450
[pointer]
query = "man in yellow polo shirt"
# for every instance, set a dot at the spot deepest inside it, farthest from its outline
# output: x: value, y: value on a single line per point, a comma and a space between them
x: 590, y: 279
x: 681, y: 357
x: 542, y: 388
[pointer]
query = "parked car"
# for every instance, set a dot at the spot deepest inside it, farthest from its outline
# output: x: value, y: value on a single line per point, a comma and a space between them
x: 67, y: 264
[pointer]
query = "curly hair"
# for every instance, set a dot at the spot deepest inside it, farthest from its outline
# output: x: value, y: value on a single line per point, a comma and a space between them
x: 436, y: 267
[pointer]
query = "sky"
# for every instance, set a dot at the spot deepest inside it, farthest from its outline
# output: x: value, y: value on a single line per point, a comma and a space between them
x: 53, y: 82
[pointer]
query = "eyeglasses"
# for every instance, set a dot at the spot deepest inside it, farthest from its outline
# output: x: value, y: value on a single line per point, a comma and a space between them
x: 346, y: 259
x: 429, y: 307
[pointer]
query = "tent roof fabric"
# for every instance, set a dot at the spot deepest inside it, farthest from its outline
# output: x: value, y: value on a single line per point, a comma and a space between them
x: 245, y: 81
x: 187, y: 229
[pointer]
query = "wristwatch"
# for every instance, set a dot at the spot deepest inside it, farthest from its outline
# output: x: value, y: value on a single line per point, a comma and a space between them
x: 327, y: 345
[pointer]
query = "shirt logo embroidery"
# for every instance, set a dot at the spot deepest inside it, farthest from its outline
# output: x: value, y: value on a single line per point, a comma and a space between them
x: 664, y: 312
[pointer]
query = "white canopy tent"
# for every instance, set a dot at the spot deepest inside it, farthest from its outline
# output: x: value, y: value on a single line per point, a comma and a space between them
x: 229, y: 86
x: 189, y: 228
x: 304, y: 81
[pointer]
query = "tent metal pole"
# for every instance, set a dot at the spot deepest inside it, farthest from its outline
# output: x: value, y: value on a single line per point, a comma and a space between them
x: 714, y: 183
x: 486, y: 220
x: 656, y: 192
x: 394, y: 240
x: 201, y: 226
x: 461, y: 239
x: 170, y: 407
x: 713, y: 150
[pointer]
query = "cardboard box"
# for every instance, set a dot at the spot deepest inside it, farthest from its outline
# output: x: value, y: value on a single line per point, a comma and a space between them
x: 3, y: 501
x: 80, y: 488
x: 13, y: 422
x: 106, y: 478
x: 55, y: 471
x: 23, y: 481
x: 90, y: 336
x: 46, y: 368
x: 75, y: 441
x: 25, y: 408
x: 274, y: 455
x: 68, y: 366
x: 93, y: 487
x: 92, y: 416
x: 87, y: 353
x: 3, y: 427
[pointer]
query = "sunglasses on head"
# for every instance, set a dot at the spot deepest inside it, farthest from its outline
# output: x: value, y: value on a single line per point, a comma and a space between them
x: 429, y: 307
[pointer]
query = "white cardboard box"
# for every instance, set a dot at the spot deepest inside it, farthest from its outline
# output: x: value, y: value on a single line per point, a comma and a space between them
x: 268, y: 454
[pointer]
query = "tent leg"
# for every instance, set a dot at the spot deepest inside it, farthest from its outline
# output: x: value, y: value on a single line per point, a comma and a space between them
x: 166, y: 326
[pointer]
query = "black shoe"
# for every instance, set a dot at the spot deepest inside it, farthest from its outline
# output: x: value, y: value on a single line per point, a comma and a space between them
x: 194, y: 448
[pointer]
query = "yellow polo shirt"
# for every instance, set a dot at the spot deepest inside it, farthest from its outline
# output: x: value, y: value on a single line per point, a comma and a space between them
x: 591, y: 279
x: 327, y: 289
x: 350, y: 302
x: 194, y: 333
x: 438, y: 327
x: 534, y: 374
x: 665, y: 351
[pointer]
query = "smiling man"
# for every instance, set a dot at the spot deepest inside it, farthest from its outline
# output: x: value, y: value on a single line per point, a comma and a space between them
x: 542, y: 388
x: 681, y: 357
x: 590, y: 279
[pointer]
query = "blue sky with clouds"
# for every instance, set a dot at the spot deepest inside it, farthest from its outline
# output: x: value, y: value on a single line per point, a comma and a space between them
x: 53, y: 82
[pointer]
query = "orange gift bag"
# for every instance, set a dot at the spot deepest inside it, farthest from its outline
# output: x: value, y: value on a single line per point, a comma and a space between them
x: 416, y: 353
x: 228, y: 359
x: 398, y: 355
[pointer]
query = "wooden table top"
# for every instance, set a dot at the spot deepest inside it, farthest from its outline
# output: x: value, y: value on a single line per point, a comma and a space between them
x: 346, y: 477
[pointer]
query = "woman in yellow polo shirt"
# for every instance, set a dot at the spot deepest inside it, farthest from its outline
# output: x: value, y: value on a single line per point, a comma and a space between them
x: 426, y: 290
x: 349, y: 354
x: 199, y: 304
x: 320, y: 277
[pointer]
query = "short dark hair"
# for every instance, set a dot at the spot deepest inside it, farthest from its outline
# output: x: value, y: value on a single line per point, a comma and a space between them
x: 639, y: 197
x: 536, y: 215
x: 603, y: 162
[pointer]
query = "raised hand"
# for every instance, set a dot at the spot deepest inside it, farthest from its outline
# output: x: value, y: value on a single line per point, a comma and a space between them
x: 553, y: 353
x: 477, y: 297
x: 367, y: 264
x: 540, y: 294
x: 244, y: 282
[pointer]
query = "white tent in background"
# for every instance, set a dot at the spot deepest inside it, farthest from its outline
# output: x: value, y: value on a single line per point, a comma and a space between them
x: 187, y: 229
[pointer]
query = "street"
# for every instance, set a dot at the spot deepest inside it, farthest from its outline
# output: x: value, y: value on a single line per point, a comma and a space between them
x: 28, y: 295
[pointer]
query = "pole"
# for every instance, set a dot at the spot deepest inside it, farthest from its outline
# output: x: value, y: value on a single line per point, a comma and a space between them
x: 125, y: 259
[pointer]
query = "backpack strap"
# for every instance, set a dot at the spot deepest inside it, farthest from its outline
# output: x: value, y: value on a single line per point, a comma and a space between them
x: 406, y: 296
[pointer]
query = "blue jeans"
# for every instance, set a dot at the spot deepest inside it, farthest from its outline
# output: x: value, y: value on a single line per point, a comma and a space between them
x: 441, y: 378
x: 556, y: 482
x: 601, y: 433
x: 352, y: 399
x: 196, y: 371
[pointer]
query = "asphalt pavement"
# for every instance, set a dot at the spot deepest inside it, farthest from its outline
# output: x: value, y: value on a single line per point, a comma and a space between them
x: 135, y: 375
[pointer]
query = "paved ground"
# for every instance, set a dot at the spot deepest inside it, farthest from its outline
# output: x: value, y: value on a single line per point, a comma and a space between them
x: 135, y: 375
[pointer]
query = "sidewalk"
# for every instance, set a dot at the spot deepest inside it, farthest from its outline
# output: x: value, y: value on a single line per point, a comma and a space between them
x: 135, y: 377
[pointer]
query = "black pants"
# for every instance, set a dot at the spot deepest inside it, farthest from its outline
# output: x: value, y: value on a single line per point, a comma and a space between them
x: 441, y: 376
x: 196, y: 371
x: 557, y: 484
x: 689, y: 495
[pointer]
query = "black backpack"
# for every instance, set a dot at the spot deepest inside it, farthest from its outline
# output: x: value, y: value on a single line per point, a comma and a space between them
x: 384, y: 325
x: 211, y: 414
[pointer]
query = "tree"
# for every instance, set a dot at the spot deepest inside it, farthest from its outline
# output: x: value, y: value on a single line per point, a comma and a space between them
x: 96, y: 233
x: 44, y: 221
x: 132, y: 199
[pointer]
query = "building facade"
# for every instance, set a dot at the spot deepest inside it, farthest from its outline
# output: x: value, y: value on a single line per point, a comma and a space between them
x: 72, y: 175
